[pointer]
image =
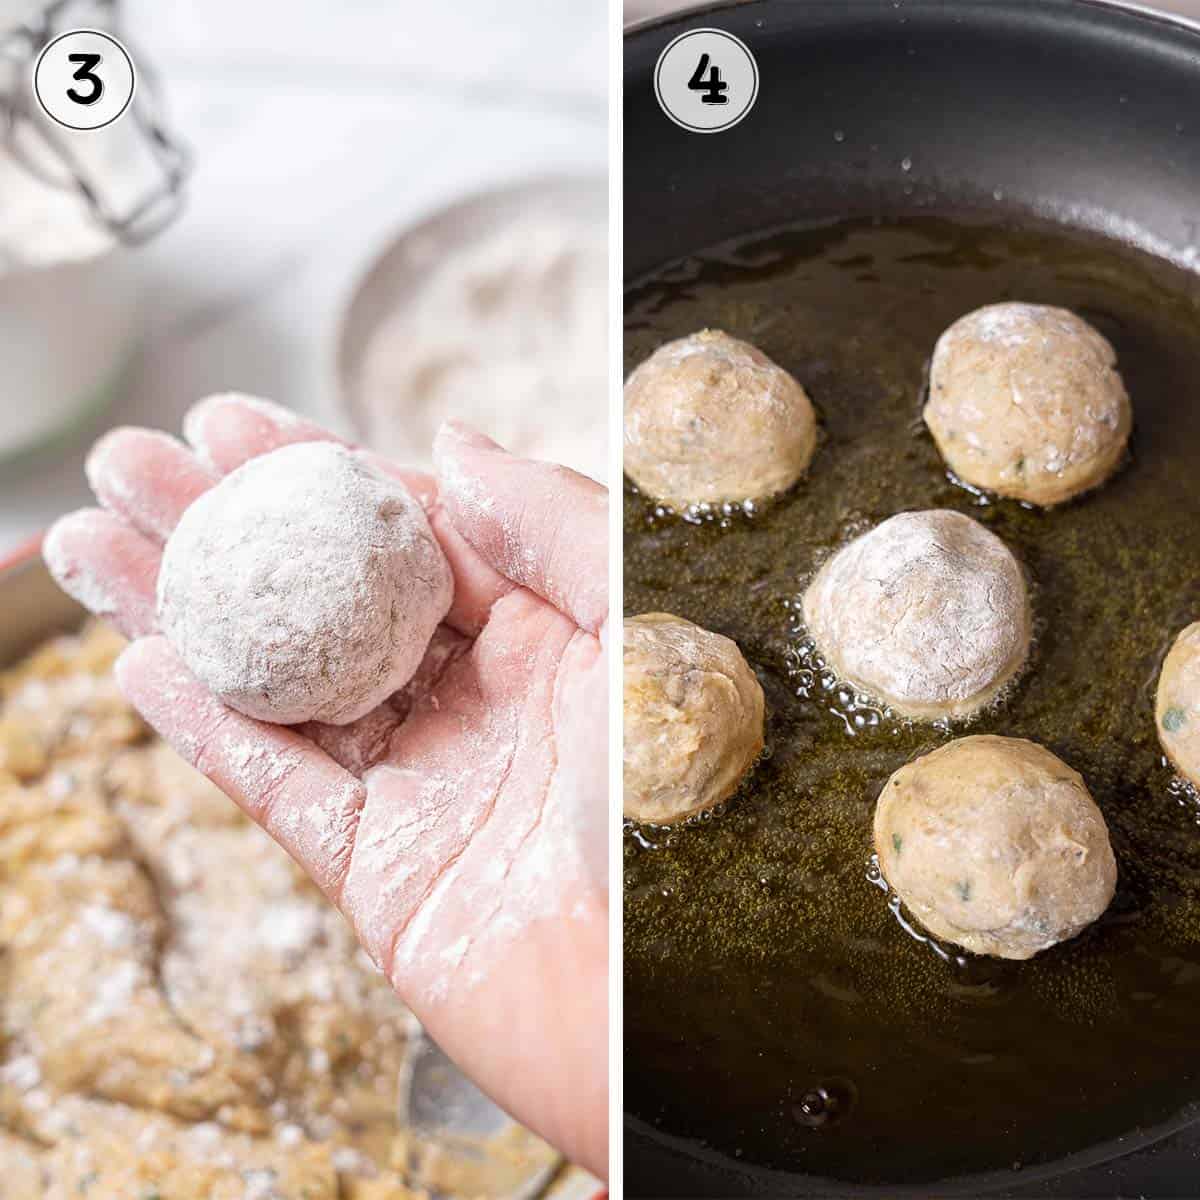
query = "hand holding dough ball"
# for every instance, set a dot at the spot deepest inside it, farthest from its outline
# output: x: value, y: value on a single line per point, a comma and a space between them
x: 994, y: 844
x: 1025, y: 400
x: 711, y: 419
x: 1177, y: 710
x: 303, y: 586
x: 927, y: 612
x: 693, y: 718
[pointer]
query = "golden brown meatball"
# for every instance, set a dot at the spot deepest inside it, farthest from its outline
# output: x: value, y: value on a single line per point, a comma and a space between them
x: 693, y: 718
x: 1177, y: 709
x: 710, y: 419
x: 1025, y: 400
x: 995, y: 844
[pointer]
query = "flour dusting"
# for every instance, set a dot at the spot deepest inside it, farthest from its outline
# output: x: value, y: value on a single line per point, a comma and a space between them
x: 928, y: 612
x: 303, y: 586
x: 505, y: 330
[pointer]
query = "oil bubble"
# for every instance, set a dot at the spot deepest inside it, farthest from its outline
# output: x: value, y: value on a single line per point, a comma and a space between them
x: 825, y: 1103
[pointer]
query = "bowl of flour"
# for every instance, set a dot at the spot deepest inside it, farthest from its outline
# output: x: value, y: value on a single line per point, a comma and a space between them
x: 494, y: 311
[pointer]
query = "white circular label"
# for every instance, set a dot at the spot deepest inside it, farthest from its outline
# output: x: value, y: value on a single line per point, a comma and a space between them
x: 706, y: 80
x: 84, y: 79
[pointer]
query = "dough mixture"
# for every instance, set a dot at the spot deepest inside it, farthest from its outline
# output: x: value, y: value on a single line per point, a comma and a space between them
x: 184, y: 1016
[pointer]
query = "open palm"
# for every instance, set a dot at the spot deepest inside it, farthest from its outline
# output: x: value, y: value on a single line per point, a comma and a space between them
x: 459, y: 827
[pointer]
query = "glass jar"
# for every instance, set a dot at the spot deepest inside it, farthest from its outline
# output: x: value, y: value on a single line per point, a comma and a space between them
x: 72, y: 203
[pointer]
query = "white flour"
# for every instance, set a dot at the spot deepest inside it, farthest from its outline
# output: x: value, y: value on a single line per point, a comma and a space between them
x: 506, y: 331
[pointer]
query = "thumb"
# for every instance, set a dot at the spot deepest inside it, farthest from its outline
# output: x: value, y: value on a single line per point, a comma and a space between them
x: 540, y: 525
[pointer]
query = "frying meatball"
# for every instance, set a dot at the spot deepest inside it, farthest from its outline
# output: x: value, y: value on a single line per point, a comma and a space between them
x: 693, y: 718
x: 1177, y: 710
x: 711, y: 419
x: 1025, y: 400
x: 927, y: 612
x: 995, y: 844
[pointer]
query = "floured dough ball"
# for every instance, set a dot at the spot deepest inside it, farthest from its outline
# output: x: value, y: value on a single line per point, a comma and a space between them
x: 1177, y: 709
x: 693, y: 718
x: 927, y: 612
x: 995, y: 844
x: 1025, y: 400
x: 303, y: 586
x: 710, y: 419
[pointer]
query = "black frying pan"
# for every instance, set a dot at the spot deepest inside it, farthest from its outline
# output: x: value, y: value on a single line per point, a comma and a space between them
x: 1083, y: 115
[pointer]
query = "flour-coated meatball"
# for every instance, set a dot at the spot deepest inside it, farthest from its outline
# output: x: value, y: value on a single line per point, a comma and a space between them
x: 927, y: 612
x: 1177, y: 710
x: 711, y: 419
x: 693, y: 718
x: 303, y: 586
x: 1025, y: 400
x: 995, y: 844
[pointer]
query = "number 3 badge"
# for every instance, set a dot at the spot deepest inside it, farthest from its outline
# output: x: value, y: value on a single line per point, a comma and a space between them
x: 706, y: 80
x: 84, y: 79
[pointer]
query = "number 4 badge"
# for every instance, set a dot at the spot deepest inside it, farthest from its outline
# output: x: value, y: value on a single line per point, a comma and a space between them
x: 706, y: 80
x: 712, y: 87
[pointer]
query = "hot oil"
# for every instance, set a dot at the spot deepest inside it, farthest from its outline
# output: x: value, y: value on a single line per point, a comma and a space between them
x: 762, y: 962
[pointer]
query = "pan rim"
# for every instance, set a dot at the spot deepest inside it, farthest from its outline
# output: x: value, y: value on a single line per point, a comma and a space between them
x: 1132, y: 7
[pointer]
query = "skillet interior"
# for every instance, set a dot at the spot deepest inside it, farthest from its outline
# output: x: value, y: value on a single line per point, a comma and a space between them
x: 759, y: 960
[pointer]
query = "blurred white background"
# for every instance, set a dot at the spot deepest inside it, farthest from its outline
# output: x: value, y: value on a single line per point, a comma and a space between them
x: 319, y: 128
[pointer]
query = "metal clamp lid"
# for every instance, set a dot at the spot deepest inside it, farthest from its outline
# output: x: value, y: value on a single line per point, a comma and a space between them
x: 49, y: 153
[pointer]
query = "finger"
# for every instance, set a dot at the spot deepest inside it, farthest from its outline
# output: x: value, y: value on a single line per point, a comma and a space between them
x: 146, y: 477
x: 104, y: 563
x: 228, y: 430
x: 542, y: 526
x: 279, y: 779
x: 477, y: 585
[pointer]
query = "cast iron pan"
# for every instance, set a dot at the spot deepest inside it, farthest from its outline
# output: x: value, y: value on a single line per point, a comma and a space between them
x: 1030, y: 118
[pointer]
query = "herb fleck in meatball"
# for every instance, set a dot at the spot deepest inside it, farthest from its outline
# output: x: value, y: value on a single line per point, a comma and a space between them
x: 1177, y: 710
